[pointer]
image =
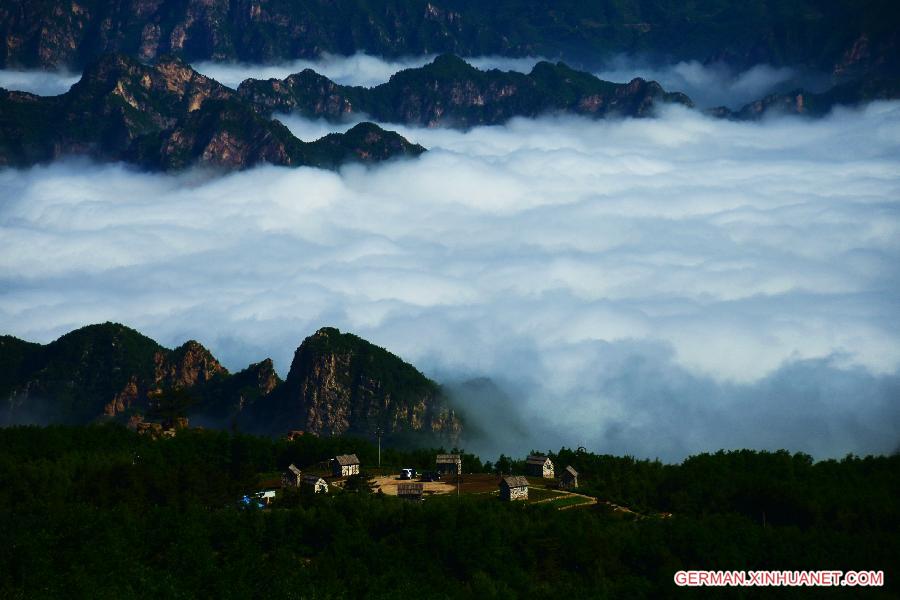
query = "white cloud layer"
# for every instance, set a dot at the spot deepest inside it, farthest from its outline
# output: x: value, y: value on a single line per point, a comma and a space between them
x: 42, y: 83
x: 658, y: 287
x: 712, y: 85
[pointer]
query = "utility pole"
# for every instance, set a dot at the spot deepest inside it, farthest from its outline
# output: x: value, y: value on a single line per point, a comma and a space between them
x: 379, y: 432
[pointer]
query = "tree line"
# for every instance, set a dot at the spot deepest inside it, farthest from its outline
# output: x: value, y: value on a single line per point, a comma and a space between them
x: 103, y: 512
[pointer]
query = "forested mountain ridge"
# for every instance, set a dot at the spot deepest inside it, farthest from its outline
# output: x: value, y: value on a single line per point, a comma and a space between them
x: 338, y: 383
x: 805, y: 103
x: 167, y: 116
x: 449, y: 91
x: 846, y: 38
x: 105, y: 371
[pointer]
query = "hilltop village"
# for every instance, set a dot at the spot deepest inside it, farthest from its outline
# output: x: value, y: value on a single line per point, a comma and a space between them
x: 539, y: 484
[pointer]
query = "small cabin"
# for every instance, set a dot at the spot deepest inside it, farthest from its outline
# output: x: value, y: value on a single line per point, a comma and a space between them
x: 315, y: 484
x: 513, y: 487
x: 449, y: 464
x: 291, y: 477
x: 345, y: 465
x: 568, y: 480
x: 410, y: 491
x: 538, y: 465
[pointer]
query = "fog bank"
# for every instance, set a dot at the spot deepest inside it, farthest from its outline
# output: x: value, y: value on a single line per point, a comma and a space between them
x: 42, y: 83
x: 656, y: 287
x: 715, y: 84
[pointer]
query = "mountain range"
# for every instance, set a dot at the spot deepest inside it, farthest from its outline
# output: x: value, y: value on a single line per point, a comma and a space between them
x: 337, y: 384
x: 451, y: 92
x: 812, y: 104
x: 167, y: 116
x: 844, y: 38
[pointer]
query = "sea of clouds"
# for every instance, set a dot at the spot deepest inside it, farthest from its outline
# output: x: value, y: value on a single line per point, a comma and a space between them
x: 711, y: 85
x: 657, y: 287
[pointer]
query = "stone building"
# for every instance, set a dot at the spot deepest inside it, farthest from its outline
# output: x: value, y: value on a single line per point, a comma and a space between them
x: 538, y: 465
x: 291, y: 477
x: 315, y: 484
x: 568, y: 480
x: 345, y: 465
x: 449, y: 464
x: 410, y: 491
x: 513, y: 487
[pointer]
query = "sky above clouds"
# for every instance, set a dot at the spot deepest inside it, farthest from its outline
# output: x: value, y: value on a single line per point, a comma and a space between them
x: 656, y: 287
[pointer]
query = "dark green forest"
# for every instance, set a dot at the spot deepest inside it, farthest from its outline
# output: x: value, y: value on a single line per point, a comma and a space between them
x: 101, y: 512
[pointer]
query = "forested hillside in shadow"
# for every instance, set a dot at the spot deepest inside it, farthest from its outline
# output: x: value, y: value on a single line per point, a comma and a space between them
x: 103, y: 512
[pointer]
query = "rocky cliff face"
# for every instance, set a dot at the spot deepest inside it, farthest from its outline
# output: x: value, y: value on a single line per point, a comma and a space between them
x: 451, y: 92
x: 843, y: 36
x: 163, y: 116
x: 341, y: 384
x: 107, y: 371
x: 338, y: 383
x: 804, y: 103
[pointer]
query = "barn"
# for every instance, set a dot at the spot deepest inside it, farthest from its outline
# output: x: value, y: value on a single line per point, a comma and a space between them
x: 569, y: 479
x: 291, y: 477
x: 538, y: 465
x: 410, y: 491
x: 315, y: 484
x: 513, y: 487
x: 345, y: 465
x: 449, y: 464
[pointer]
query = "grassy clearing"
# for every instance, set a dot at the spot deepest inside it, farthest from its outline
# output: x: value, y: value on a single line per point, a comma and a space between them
x: 539, y: 494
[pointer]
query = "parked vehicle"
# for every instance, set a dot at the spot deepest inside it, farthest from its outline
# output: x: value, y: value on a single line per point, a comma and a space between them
x: 430, y: 476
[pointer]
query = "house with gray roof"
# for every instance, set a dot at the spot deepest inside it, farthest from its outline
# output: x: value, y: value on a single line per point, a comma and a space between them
x: 315, y: 484
x: 345, y: 465
x: 538, y: 465
x: 513, y: 487
x: 568, y: 480
x: 291, y: 477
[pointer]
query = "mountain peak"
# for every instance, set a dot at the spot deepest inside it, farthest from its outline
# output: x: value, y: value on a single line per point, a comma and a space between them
x: 167, y: 116
x: 338, y: 383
